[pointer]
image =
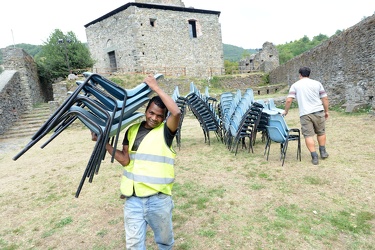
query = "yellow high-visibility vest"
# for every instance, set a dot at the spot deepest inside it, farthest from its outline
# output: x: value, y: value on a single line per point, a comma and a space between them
x: 151, y: 167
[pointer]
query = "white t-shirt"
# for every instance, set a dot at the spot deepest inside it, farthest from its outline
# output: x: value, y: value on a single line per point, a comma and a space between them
x: 308, y: 93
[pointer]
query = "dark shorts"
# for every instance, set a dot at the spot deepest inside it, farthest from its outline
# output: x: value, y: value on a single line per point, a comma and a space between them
x: 312, y: 124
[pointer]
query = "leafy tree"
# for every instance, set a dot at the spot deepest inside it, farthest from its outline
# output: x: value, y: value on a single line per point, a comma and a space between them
x: 62, y: 54
x: 290, y: 50
x: 338, y: 32
x: 230, y: 67
x: 32, y: 50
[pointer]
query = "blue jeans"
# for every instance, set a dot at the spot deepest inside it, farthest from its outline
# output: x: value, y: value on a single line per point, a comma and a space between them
x: 155, y: 211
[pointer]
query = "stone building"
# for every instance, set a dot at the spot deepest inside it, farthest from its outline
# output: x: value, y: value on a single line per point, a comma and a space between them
x: 265, y: 60
x: 157, y: 36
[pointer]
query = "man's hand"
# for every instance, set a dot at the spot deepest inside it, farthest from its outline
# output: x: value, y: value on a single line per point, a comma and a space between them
x: 326, y: 115
x: 284, y: 113
x: 151, y: 82
x: 94, y: 137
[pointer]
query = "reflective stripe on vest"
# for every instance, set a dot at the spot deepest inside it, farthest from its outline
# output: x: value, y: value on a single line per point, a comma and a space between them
x: 154, y: 158
x: 148, y: 179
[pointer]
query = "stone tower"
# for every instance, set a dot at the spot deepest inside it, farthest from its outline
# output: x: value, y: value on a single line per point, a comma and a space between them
x: 158, y: 36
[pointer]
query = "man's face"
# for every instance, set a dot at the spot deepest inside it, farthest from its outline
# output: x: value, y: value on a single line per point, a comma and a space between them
x: 154, y: 116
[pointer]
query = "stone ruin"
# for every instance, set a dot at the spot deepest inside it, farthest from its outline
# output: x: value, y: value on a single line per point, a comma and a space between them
x: 265, y: 60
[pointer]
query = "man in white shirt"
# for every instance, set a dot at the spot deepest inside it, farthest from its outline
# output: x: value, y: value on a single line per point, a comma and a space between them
x: 313, y: 110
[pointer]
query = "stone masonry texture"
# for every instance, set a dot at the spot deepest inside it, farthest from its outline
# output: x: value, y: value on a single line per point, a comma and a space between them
x: 147, y: 38
x: 20, y: 88
x: 344, y: 64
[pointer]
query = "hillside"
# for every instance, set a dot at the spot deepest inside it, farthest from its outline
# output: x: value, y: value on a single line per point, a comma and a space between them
x: 231, y: 52
x: 234, y: 53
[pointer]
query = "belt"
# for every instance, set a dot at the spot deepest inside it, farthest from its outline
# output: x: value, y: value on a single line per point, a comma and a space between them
x: 134, y: 195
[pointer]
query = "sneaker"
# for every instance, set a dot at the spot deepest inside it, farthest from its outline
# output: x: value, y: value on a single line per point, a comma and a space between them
x: 315, y: 160
x: 324, y: 154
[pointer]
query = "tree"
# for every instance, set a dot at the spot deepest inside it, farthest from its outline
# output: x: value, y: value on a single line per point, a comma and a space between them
x: 230, y: 67
x: 62, y: 54
x: 290, y: 50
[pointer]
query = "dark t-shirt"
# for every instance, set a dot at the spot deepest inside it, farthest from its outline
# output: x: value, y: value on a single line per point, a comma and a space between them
x: 142, y: 132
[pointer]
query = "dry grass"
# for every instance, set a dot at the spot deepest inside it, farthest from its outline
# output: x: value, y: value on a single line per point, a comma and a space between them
x: 222, y: 201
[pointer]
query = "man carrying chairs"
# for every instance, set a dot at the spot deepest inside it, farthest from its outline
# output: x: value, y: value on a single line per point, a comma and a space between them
x: 148, y: 160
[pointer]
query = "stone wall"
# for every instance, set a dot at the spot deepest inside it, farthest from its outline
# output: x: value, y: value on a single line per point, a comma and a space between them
x: 147, y: 38
x: 20, y: 88
x: 265, y: 60
x: 344, y: 64
x: 11, y: 105
x: 18, y: 59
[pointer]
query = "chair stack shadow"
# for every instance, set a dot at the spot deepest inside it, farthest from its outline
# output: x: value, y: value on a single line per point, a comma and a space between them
x: 104, y: 108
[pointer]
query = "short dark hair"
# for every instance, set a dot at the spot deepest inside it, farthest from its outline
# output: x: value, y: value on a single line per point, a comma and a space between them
x: 158, y: 102
x: 304, y: 71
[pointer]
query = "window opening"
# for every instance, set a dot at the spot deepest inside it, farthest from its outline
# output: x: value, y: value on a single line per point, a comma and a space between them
x: 152, y: 22
x: 192, y: 29
x: 112, y: 61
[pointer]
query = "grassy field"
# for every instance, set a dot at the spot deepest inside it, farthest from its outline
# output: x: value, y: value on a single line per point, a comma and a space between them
x: 222, y: 201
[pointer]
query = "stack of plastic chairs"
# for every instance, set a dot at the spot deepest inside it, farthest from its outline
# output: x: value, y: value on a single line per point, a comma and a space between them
x: 211, y: 102
x: 266, y: 113
x: 207, y: 117
x: 279, y: 132
x: 228, y: 116
x: 249, y: 95
x: 181, y: 103
x: 243, y: 124
x: 104, y: 108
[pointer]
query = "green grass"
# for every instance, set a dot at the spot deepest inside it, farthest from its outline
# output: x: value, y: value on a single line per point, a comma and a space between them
x: 222, y: 201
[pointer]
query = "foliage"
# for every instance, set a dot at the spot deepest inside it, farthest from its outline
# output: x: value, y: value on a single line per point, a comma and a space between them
x: 234, y: 53
x: 62, y: 54
x: 266, y: 78
x: 32, y: 50
x: 290, y: 50
x: 230, y: 67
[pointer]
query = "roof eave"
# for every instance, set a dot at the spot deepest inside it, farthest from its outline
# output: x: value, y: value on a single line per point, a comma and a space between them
x: 152, y: 6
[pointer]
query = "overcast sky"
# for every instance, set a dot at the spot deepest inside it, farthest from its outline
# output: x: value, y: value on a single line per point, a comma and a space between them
x: 244, y: 23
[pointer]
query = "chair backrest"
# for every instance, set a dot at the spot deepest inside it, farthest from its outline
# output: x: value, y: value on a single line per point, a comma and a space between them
x: 249, y: 98
x: 280, y: 118
x: 266, y: 108
x: 279, y: 125
x: 275, y: 134
x: 272, y: 106
x: 250, y: 91
x: 117, y: 91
